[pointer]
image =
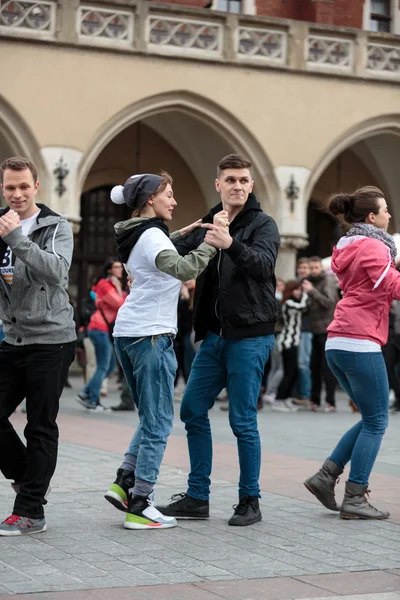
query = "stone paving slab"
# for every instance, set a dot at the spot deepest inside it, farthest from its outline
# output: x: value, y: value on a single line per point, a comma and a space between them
x: 299, y: 550
x: 86, y: 547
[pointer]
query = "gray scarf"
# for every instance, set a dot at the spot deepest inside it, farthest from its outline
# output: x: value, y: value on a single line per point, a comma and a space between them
x: 374, y: 232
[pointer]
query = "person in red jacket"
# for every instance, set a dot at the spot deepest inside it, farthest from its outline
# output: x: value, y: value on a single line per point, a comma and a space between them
x: 364, y: 263
x: 109, y: 298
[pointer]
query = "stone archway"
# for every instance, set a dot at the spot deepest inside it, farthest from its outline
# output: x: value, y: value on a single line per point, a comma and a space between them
x: 366, y: 155
x: 16, y: 137
x: 199, y: 130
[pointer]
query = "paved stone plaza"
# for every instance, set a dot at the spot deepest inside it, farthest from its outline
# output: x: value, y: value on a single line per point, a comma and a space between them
x: 299, y: 550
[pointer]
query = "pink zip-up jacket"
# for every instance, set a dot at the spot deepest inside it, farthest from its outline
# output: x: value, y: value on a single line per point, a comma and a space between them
x: 369, y: 282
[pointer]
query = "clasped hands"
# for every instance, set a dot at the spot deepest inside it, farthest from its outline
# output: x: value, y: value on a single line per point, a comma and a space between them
x: 218, y: 232
x: 8, y: 222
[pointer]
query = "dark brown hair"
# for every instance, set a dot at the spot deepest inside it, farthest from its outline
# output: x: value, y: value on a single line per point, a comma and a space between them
x: 233, y: 161
x: 18, y: 163
x: 356, y: 207
x: 303, y: 261
x: 317, y: 259
x: 290, y: 286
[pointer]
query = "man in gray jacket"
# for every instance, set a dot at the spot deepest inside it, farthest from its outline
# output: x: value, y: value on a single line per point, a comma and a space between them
x: 36, y: 248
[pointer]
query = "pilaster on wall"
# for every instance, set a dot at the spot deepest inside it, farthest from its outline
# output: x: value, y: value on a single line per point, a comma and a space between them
x: 290, y: 215
x: 62, y: 194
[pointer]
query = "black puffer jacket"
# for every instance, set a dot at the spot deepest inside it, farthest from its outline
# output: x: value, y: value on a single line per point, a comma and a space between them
x: 239, y: 283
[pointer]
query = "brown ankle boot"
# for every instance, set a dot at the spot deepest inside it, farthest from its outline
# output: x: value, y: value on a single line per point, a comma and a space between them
x: 322, y: 484
x: 356, y: 506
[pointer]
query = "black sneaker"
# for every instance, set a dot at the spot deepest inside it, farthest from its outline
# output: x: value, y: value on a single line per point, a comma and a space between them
x: 246, y: 512
x: 118, y: 492
x: 186, y: 507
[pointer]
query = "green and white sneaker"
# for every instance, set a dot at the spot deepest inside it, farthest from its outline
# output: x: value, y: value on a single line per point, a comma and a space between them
x: 117, y: 495
x: 16, y: 525
x: 142, y: 514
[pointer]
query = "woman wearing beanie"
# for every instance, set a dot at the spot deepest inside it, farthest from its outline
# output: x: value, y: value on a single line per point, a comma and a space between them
x: 144, y: 330
x: 364, y: 262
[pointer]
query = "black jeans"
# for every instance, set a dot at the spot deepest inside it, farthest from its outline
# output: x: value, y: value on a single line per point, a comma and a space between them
x: 290, y: 371
x: 321, y: 372
x: 36, y: 372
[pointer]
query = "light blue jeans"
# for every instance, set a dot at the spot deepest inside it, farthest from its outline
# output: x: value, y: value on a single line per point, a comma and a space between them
x: 105, y: 363
x: 304, y: 376
x: 149, y: 365
x: 363, y: 377
x: 237, y: 365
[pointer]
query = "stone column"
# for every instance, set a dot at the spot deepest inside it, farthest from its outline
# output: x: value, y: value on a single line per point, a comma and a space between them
x: 291, y: 217
x: 62, y: 194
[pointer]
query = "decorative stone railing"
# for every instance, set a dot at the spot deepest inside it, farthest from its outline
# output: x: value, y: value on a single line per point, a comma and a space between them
x: 383, y: 59
x: 266, y: 44
x: 28, y: 18
x: 329, y: 52
x: 176, y: 35
x: 166, y: 29
x: 105, y: 26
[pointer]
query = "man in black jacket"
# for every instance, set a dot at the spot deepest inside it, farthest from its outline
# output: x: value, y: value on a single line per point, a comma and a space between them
x: 234, y: 314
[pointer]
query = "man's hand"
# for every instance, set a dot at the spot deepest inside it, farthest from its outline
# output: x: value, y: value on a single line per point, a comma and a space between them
x: 221, y: 219
x: 217, y: 236
x: 9, y: 222
x: 185, y: 294
x: 306, y: 286
x: 189, y: 228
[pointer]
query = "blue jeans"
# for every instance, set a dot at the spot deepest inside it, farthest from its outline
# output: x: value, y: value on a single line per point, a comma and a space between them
x: 363, y: 377
x: 304, y: 359
x: 149, y: 365
x: 105, y: 363
x: 239, y: 366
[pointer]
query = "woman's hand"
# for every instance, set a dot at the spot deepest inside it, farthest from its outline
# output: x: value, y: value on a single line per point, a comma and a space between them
x: 189, y: 228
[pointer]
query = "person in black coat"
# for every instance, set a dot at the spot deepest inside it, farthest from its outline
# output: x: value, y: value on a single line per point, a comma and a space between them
x: 234, y: 315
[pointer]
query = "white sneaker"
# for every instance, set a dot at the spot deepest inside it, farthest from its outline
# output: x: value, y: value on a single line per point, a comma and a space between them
x: 280, y: 406
x: 99, y: 408
x: 268, y: 399
x: 291, y: 406
x: 142, y: 514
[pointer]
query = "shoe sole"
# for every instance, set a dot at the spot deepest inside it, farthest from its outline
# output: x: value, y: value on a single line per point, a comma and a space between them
x: 182, y: 516
x: 155, y: 526
x: 116, y: 501
x: 13, y: 533
x: 315, y: 493
x: 355, y: 517
x: 252, y: 522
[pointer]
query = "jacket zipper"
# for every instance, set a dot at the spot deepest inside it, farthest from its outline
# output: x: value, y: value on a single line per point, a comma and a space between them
x: 219, y: 279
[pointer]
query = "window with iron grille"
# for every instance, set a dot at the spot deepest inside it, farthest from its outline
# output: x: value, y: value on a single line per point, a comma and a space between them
x: 379, y: 19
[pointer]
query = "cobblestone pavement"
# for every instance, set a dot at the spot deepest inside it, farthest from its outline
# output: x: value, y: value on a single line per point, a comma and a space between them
x: 299, y: 550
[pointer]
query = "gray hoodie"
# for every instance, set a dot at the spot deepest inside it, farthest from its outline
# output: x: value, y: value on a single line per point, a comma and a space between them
x: 36, y: 308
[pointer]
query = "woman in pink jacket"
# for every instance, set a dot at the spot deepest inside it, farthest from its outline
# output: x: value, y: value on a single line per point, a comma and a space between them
x: 364, y: 262
x: 109, y: 298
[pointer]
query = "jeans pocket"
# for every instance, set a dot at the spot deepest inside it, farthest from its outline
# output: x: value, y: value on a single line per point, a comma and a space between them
x: 164, y: 342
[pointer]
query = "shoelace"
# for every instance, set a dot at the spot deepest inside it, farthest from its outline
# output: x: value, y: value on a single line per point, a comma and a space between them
x: 12, y: 519
x: 178, y: 497
x: 241, y: 509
